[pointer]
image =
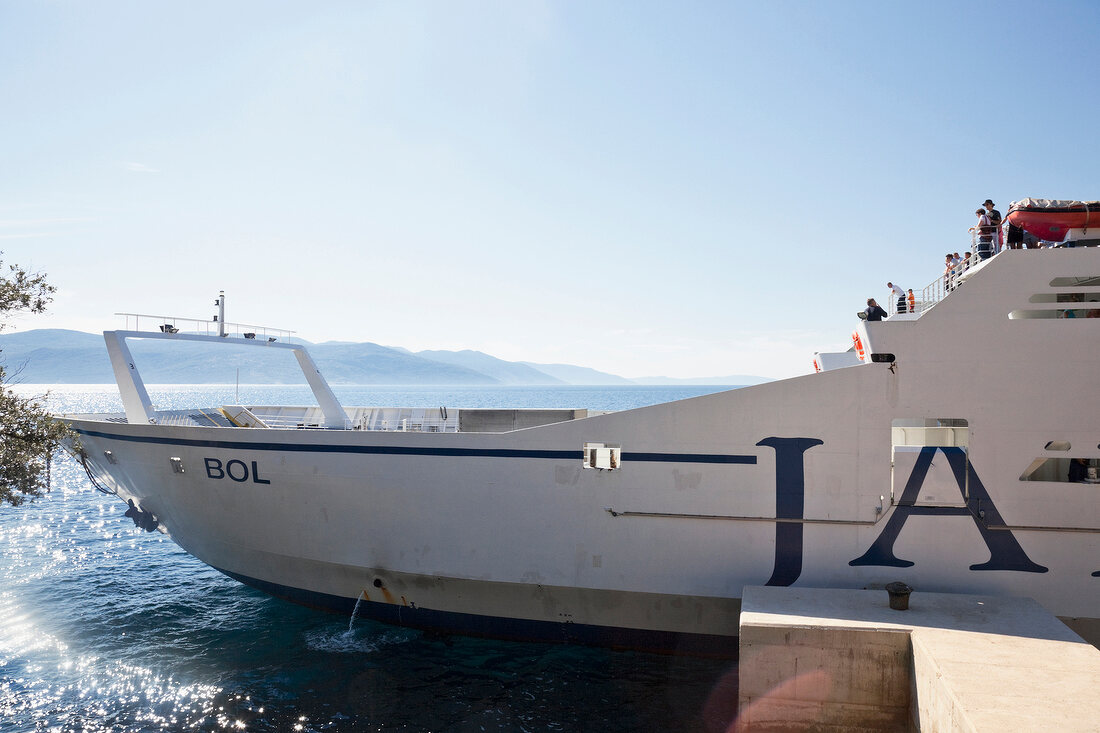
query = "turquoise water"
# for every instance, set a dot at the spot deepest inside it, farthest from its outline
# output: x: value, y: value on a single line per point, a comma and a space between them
x: 104, y: 627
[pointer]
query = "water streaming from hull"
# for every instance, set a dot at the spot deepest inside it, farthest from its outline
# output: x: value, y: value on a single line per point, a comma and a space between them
x: 354, y: 612
x: 158, y: 641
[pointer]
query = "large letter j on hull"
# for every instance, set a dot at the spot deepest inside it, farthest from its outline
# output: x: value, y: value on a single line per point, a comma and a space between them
x: 790, y: 495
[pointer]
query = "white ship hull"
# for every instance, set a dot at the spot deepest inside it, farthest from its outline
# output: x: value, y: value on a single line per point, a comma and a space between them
x: 846, y: 478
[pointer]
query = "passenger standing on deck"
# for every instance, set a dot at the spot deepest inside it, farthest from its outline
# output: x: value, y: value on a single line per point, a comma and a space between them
x: 1015, y: 237
x: 1069, y: 312
x: 994, y: 221
x: 985, y: 235
x: 899, y: 294
x: 956, y: 268
x: 874, y: 311
x: 1078, y: 469
x: 912, y: 302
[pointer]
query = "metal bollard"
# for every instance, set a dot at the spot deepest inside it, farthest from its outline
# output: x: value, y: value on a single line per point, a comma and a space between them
x: 899, y: 595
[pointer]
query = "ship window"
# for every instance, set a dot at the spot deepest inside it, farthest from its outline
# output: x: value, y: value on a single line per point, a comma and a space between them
x: 1079, y: 297
x: 1057, y: 445
x: 1069, y: 282
x: 177, y: 464
x: 934, y: 431
x: 1074, y: 304
x: 913, y: 439
x: 1090, y: 309
x: 1082, y: 470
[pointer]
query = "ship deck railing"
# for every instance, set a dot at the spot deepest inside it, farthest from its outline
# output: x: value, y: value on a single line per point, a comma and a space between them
x: 172, y: 324
x: 373, y: 419
x: 939, y: 288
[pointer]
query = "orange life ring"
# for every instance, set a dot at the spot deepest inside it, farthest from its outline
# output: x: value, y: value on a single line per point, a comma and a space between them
x: 858, y: 344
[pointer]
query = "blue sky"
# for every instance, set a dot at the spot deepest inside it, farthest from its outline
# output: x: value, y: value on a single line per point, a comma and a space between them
x: 682, y: 189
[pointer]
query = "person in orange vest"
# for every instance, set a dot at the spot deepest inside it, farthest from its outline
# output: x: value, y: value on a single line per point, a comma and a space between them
x: 912, y: 302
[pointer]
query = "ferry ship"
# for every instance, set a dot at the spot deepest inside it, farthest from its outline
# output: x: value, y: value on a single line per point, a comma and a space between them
x: 955, y: 450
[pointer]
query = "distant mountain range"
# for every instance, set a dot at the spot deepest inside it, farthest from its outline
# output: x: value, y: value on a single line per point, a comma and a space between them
x: 58, y: 356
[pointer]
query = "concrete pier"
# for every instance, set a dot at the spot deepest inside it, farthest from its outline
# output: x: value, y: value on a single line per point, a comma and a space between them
x: 833, y: 660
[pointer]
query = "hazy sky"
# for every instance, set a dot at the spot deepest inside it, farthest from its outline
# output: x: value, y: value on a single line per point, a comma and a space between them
x: 675, y: 188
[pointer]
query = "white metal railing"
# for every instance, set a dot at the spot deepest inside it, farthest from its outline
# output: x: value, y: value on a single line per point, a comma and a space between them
x: 990, y: 244
x: 301, y: 423
x: 166, y: 324
x: 400, y: 425
x: 401, y: 419
x: 377, y: 419
x: 952, y: 275
x: 902, y: 304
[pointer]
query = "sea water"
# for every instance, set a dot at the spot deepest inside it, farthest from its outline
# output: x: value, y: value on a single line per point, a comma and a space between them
x: 105, y: 627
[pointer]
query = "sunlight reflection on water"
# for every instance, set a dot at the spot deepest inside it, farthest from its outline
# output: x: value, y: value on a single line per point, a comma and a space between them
x: 104, y: 627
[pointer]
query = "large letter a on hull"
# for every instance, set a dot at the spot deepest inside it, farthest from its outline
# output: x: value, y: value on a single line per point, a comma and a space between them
x: 1005, y: 552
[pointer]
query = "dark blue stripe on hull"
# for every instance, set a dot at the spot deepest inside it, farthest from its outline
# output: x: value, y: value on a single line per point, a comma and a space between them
x: 414, y: 450
x: 499, y: 627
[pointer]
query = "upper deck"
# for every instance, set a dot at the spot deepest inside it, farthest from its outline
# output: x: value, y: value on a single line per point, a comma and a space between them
x: 380, y: 419
x: 327, y: 414
x: 979, y: 297
x: 1034, y: 308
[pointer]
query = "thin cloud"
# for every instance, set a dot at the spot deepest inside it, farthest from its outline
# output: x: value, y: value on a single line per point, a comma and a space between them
x: 139, y: 168
x: 26, y: 236
x: 23, y: 223
x: 38, y: 228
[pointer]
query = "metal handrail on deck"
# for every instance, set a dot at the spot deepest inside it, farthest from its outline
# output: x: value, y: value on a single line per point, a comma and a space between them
x: 163, y: 324
x: 952, y: 277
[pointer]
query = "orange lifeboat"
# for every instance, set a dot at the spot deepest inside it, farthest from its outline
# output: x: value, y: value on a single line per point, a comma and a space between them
x: 1050, y: 219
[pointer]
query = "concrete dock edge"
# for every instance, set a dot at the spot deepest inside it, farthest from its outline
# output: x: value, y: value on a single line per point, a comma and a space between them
x: 843, y: 660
